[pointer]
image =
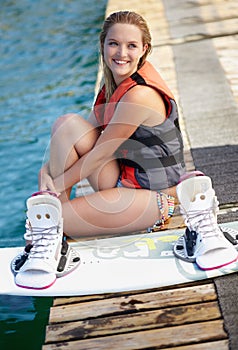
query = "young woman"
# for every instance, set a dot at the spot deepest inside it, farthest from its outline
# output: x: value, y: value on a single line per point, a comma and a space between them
x: 131, y: 152
x: 130, y: 149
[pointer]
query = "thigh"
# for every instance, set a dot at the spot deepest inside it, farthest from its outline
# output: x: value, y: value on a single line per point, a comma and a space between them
x: 72, y: 137
x: 112, y: 211
x: 106, y: 177
x: 71, y: 130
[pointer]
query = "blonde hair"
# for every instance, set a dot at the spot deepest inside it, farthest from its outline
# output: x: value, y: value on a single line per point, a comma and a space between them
x: 126, y: 17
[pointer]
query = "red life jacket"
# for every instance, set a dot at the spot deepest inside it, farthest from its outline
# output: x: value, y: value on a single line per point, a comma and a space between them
x: 153, y: 156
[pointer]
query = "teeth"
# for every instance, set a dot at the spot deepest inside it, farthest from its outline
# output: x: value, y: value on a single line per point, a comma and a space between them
x: 120, y: 62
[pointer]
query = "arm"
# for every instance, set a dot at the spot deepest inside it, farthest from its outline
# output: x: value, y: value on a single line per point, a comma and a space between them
x: 136, y: 107
x: 45, y: 177
x: 45, y: 181
x: 93, y: 120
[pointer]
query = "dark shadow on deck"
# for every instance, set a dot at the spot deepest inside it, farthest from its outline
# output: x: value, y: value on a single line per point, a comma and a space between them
x: 221, y: 164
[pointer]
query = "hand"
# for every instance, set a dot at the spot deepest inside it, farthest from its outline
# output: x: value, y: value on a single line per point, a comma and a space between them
x: 45, y: 181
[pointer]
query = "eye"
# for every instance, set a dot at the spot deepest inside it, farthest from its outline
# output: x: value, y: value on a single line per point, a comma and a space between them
x: 132, y: 46
x: 112, y: 43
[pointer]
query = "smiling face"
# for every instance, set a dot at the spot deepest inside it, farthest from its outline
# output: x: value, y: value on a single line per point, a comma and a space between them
x: 123, y: 48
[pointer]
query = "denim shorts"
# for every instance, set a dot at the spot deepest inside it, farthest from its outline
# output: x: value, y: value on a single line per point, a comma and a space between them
x: 119, y: 184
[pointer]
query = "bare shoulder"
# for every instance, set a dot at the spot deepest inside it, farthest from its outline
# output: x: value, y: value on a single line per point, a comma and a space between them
x: 151, y: 101
x: 146, y: 96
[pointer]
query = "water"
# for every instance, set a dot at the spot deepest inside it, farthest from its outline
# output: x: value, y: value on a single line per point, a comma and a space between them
x: 49, y: 57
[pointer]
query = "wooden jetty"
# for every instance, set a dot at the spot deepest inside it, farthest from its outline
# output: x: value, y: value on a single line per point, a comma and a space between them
x: 187, y: 316
x: 195, y: 50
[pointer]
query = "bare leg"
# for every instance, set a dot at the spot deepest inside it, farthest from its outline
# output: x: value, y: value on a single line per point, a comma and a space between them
x: 110, y: 209
x: 72, y: 137
x: 115, y: 210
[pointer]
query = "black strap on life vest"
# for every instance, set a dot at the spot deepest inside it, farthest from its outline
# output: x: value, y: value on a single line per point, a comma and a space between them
x: 138, y: 78
x: 154, y: 140
x: 143, y: 164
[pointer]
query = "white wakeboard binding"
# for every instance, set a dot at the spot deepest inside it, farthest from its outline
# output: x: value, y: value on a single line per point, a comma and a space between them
x: 48, y: 256
x: 203, y: 242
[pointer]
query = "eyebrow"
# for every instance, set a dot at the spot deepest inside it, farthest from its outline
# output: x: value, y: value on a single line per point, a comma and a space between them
x: 129, y: 42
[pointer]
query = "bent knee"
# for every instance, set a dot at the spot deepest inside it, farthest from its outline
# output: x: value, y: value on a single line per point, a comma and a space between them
x: 68, y: 121
x: 75, y: 131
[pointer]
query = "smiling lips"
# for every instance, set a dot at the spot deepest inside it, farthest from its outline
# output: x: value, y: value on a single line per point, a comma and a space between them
x: 120, y: 62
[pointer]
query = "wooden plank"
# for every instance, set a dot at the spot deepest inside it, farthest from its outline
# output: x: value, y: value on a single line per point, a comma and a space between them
x: 226, y: 48
x: 156, y: 338
x: 133, y: 303
x: 133, y: 322
x: 216, y: 345
x: 199, y: 21
x: 78, y: 299
x: 83, y: 298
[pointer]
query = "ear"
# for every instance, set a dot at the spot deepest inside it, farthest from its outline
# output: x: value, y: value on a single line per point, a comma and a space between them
x: 145, y: 48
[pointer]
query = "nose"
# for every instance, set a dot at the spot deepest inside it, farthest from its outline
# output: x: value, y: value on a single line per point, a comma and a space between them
x: 122, y: 51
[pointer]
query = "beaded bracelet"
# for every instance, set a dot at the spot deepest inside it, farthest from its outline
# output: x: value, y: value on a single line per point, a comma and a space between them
x: 160, y: 223
x: 160, y: 202
x: 171, y: 204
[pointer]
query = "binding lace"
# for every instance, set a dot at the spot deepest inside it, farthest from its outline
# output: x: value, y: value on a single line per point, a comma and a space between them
x: 42, y: 239
x: 203, y: 222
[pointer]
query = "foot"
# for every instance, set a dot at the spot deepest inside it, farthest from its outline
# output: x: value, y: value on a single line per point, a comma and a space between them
x: 203, y: 241
x: 48, y: 256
